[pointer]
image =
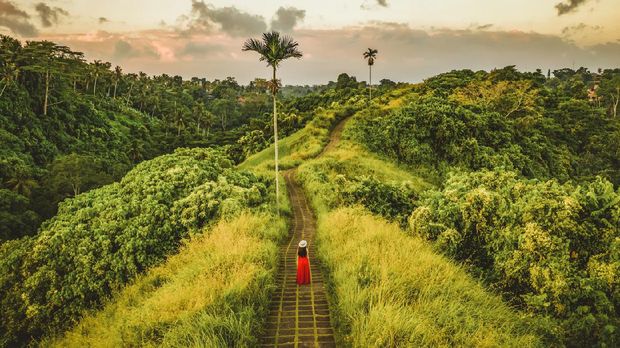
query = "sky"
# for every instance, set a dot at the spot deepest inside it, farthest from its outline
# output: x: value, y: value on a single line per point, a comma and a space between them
x: 416, y: 39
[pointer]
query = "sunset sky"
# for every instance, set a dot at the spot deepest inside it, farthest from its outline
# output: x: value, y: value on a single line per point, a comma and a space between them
x: 416, y: 38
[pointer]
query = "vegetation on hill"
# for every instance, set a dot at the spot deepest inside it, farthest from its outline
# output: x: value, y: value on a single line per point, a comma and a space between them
x: 518, y: 121
x: 552, y: 249
x: 513, y: 175
x: 102, y: 239
x: 213, y: 293
x: 420, y: 299
x: 527, y: 172
x: 395, y: 291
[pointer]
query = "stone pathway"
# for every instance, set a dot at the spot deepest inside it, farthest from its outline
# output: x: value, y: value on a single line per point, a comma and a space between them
x: 299, y: 315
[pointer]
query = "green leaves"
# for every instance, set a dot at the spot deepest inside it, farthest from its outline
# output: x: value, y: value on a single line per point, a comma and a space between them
x: 273, y: 48
x: 550, y: 247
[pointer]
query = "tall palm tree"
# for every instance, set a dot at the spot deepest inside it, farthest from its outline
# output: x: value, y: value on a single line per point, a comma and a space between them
x: 22, y: 184
x: 273, y: 49
x: 9, y: 73
x: 118, y: 75
x: 371, y: 55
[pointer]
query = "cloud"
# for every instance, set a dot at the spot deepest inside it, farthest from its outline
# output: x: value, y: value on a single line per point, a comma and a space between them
x: 102, y: 20
x: 49, y: 16
x: 199, y: 49
x: 124, y: 50
x: 373, y: 4
x: 287, y: 18
x: 232, y: 21
x: 16, y: 20
x: 238, y: 23
x: 580, y: 28
x: 569, y: 6
x: 405, y: 53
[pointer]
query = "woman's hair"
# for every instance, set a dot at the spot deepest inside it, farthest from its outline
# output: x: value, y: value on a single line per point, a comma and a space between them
x: 302, y: 251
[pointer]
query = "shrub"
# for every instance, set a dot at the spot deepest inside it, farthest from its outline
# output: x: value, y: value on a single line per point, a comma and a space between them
x: 552, y: 248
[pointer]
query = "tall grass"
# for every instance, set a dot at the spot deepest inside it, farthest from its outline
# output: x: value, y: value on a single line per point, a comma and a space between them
x: 393, y: 290
x: 214, y: 292
x: 304, y: 144
x: 324, y: 177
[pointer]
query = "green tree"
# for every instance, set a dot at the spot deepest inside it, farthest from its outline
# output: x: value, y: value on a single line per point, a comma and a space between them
x: 118, y: 75
x: 78, y: 172
x: 47, y: 59
x: 274, y: 49
x: 99, y: 68
x: 10, y: 49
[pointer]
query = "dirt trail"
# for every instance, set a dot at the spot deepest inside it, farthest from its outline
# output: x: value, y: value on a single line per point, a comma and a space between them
x: 299, y: 315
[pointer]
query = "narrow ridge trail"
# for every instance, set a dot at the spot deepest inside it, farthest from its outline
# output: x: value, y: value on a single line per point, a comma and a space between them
x: 299, y: 315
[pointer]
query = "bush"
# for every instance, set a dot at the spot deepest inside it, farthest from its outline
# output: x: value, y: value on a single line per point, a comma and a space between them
x: 391, y: 201
x: 553, y: 249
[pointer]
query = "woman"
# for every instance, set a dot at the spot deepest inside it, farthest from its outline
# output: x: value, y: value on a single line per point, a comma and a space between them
x: 303, y: 266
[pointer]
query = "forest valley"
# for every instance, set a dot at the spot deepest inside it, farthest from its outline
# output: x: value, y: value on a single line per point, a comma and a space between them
x: 67, y: 125
x: 513, y: 176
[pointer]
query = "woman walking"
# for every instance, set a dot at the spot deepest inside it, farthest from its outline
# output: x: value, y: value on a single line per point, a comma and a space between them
x: 303, y: 266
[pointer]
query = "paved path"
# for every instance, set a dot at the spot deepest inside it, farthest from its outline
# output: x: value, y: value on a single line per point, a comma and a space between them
x: 299, y: 315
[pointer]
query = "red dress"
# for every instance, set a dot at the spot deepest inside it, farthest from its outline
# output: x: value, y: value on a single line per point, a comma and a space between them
x: 303, y: 270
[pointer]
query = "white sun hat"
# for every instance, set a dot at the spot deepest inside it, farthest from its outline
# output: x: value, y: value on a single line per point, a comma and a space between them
x: 303, y: 244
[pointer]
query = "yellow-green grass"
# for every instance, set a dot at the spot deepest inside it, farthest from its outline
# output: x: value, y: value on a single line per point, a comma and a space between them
x: 391, y: 290
x: 320, y: 177
x: 214, y: 292
x: 299, y: 146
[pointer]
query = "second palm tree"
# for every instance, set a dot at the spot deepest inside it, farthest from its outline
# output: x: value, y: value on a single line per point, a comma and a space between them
x: 371, y: 55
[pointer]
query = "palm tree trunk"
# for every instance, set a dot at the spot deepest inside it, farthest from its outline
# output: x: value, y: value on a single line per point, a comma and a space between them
x: 115, y: 85
x: 3, y: 88
x: 370, y: 82
x: 615, y: 101
x: 95, y: 85
x: 47, y: 88
x: 275, y: 137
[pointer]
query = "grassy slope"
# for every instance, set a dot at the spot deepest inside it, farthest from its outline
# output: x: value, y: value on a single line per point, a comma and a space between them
x: 212, y: 293
x: 393, y: 290
x: 350, y: 160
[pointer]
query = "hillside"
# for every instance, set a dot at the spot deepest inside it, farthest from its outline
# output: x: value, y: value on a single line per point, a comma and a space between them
x: 473, y: 209
x: 538, y: 227
x: 68, y: 126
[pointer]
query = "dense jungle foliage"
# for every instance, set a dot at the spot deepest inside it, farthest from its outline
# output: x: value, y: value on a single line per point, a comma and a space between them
x: 104, y: 208
x: 542, y: 128
x: 528, y: 172
x: 67, y: 125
